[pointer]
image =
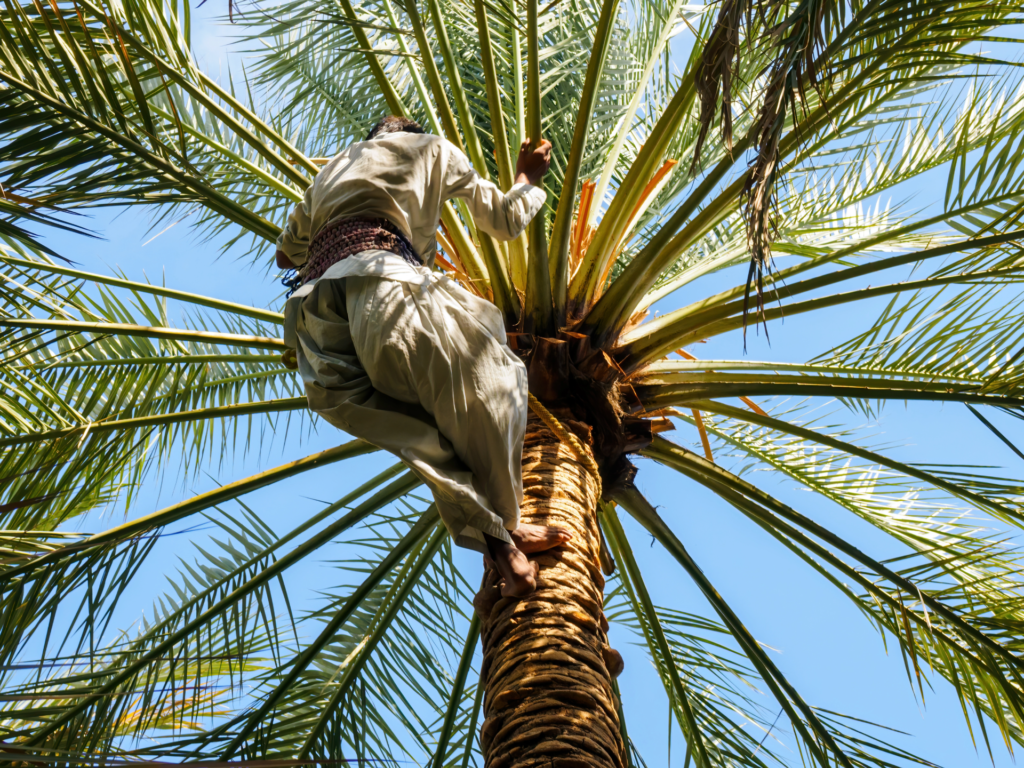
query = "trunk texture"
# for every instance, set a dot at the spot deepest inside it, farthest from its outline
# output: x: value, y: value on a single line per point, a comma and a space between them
x: 548, y: 693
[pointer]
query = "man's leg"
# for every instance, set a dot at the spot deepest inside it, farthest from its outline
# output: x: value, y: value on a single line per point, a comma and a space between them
x: 518, y: 571
x: 428, y: 345
x: 340, y: 390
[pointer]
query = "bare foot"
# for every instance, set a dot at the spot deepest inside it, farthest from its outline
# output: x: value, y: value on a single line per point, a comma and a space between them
x: 517, y: 572
x: 530, y: 538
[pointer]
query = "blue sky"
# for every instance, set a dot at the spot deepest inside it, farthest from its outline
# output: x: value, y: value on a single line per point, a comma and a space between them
x: 833, y: 657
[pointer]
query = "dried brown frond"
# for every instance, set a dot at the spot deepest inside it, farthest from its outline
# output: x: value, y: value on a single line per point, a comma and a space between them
x: 796, y: 45
x: 800, y: 42
x: 714, y: 73
x: 582, y: 232
x: 760, y: 210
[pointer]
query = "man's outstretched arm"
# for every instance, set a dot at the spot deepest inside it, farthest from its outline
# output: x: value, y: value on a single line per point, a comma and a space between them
x: 503, y: 215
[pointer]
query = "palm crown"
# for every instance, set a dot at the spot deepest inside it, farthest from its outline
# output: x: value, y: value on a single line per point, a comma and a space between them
x: 652, y: 188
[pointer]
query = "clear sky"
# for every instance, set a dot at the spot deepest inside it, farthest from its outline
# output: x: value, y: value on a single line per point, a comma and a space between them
x: 820, y: 641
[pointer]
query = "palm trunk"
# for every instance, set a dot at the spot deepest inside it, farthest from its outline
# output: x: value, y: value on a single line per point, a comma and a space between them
x: 548, y: 692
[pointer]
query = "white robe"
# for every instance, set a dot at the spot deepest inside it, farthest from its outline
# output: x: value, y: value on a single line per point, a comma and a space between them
x: 402, y: 356
x: 406, y: 178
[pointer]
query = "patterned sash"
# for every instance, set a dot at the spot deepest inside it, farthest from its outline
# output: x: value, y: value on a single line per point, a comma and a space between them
x: 341, y: 238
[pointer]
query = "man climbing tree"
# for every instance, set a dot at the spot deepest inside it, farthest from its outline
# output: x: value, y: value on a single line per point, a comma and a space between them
x: 663, y: 221
x: 403, y: 357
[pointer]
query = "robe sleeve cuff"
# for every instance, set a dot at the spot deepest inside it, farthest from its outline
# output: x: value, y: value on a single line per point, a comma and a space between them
x: 534, y: 197
x: 296, y: 252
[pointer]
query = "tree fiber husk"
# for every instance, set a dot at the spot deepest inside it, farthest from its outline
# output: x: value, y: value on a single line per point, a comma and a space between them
x: 548, y: 696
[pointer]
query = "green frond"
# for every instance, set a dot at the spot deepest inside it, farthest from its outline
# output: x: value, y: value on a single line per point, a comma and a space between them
x: 109, y: 382
x: 985, y: 493
x: 414, y: 543
x: 722, y: 313
x: 142, y: 663
x: 33, y: 270
x: 126, y: 117
x: 865, y: 96
x: 827, y: 740
x: 964, y: 631
x: 99, y: 387
x: 655, y: 635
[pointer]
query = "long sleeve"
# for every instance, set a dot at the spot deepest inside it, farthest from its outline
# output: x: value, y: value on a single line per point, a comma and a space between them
x: 294, y: 239
x: 503, y: 215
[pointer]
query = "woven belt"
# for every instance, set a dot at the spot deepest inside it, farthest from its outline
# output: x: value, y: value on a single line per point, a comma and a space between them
x: 344, y: 237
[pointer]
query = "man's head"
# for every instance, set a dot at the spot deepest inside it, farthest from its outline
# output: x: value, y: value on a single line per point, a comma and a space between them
x: 394, y: 124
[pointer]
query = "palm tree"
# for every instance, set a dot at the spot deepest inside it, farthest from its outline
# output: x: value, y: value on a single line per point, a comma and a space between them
x: 671, y: 169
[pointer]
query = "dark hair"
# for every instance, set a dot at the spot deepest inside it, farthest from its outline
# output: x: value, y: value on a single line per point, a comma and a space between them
x: 394, y: 124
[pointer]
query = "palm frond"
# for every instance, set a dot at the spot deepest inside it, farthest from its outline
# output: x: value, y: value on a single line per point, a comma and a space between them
x: 968, y: 639
x: 126, y: 117
x: 825, y: 743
